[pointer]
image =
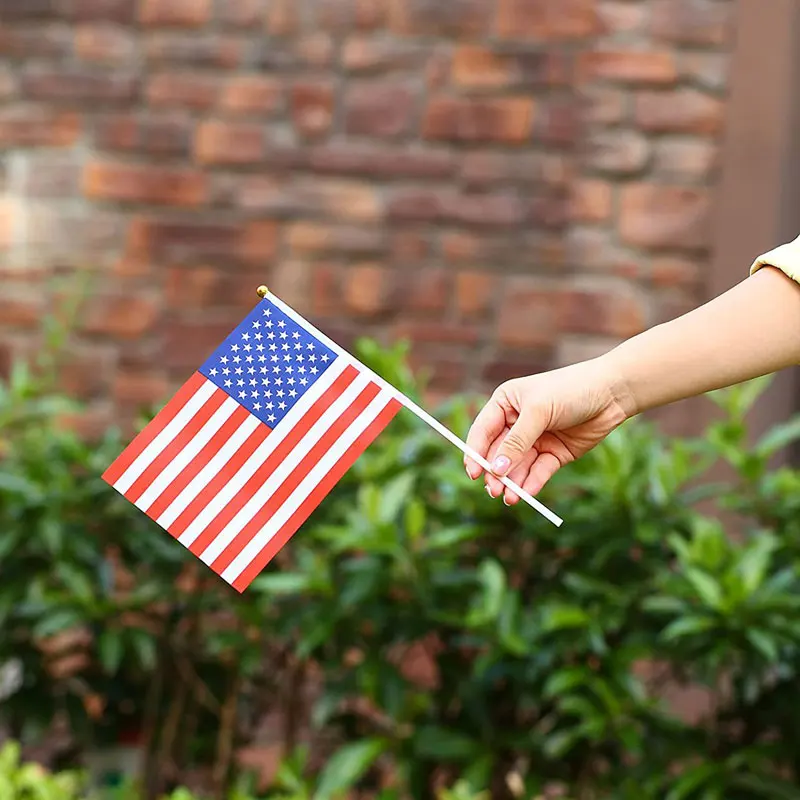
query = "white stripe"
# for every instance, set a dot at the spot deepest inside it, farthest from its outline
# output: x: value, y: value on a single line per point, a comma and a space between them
x: 187, y: 453
x: 284, y: 469
x: 309, y: 483
x: 262, y: 452
x: 207, y: 474
x: 175, y: 426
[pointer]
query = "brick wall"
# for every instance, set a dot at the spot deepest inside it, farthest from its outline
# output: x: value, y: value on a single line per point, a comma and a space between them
x: 512, y: 184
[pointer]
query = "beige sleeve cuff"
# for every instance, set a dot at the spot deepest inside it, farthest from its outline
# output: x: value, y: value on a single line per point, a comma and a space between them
x: 785, y: 258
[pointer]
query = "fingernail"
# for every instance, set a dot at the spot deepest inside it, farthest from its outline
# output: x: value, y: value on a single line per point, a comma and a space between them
x: 505, y: 502
x: 488, y: 491
x: 469, y: 473
x: 501, y: 465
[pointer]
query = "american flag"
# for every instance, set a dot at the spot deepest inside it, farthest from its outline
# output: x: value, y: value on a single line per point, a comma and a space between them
x: 253, y: 441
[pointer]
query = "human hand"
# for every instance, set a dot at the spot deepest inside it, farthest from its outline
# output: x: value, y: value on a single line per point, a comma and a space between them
x: 533, y: 426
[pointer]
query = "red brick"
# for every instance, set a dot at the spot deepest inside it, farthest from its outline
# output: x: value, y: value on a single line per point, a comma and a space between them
x: 195, y: 50
x: 508, y: 119
x: 246, y: 14
x: 84, y: 373
x: 364, y: 54
x: 8, y: 220
x: 367, y: 291
x: 692, y: 22
x: 20, y: 311
x: 359, y: 202
x: 335, y: 15
x: 312, y: 108
x: 144, y: 184
x: 425, y: 332
x: 475, y: 293
x: 479, y: 67
x: 621, y: 16
x: 629, y: 66
x: 326, y: 289
x: 183, y: 90
x: 505, y: 368
x: 8, y: 84
x: 51, y: 176
x: 681, y: 111
x: 104, y: 43
x: 685, y: 159
x: 121, y: 11
x: 283, y: 17
x: 434, y: 18
x: 180, y: 13
x: 78, y: 85
x: 379, y: 109
x: 193, y: 287
x: 411, y: 246
x: 424, y: 291
x: 560, y: 123
x: 653, y: 215
x: 187, y: 344
x: 157, y: 135
x: 610, y: 312
x: 182, y: 241
x: 709, y: 71
x: 308, y: 238
x: 37, y: 127
x: 383, y: 163
x: 229, y: 143
x: 547, y: 20
x: 36, y: 41
x: 12, y: 10
x: 603, y: 105
x: 590, y: 201
x: 414, y: 205
x: 371, y: 14
x: 251, y: 95
x: 530, y: 315
x: 617, y: 152
x: 126, y: 316
x: 669, y: 272
x: 140, y: 388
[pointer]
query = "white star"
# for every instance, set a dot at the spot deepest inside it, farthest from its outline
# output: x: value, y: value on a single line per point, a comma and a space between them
x: 281, y: 323
x: 260, y: 348
x: 251, y: 370
x: 267, y: 313
x: 259, y: 336
x: 301, y: 369
x: 224, y: 359
x: 257, y: 406
x: 240, y: 382
x: 228, y: 384
x: 290, y: 381
x: 279, y: 381
x: 314, y: 370
x: 237, y: 359
x: 295, y: 335
x: 265, y: 381
x: 248, y: 348
x: 280, y: 393
x: 281, y: 406
x: 254, y: 382
x: 234, y: 347
x: 285, y: 347
x: 325, y: 356
x: 273, y: 348
x: 293, y: 393
x: 226, y: 371
x: 249, y: 359
x: 256, y: 324
x: 271, y: 418
x: 310, y: 346
x: 270, y: 406
x: 238, y: 370
x: 283, y: 334
x: 303, y: 381
x: 298, y: 346
x: 270, y: 335
x: 212, y: 371
x: 245, y: 336
x: 242, y: 395
x: 254, y: 393
x: 289, y: 369
x: 263, y: 370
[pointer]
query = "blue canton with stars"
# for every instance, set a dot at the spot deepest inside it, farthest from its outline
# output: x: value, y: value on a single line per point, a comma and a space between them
x: 268, y: 363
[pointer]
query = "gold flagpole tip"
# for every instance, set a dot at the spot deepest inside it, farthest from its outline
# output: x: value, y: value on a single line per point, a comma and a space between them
x: 262, y: 292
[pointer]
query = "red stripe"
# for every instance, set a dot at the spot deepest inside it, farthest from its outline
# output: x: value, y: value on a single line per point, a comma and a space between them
x: 261, y: 475
x: 173, y: 449
x: 321, y: 490
x: 297, y: 475
x: 215, y: 485
x: 161, y: 420
x: 199, y: 462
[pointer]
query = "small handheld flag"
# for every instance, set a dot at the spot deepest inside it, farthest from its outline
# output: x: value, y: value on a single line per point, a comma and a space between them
x: 257, y: 437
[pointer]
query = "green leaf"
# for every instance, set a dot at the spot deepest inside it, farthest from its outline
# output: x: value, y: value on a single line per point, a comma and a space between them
x: 56, y: 622
x: 706, y: 587
x: 110, y: 648
x: 686, y: 626
x: 395, y: 495
x: 347, y: 766
x: 145, y: 646
x: 557, y: 745
x: 765, y: 644
x: 560, y: 617
x: 281, y: 583
x: 435, y: 743
x: 778, y: 438
x: 565, y: 680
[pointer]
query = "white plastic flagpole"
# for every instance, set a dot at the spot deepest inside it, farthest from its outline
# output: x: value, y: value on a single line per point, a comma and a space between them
x: 413, y: 407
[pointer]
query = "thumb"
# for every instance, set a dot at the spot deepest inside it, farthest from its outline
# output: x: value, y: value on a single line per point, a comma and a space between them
x: 518, y: 441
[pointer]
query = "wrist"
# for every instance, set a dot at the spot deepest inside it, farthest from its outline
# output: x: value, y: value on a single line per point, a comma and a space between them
x: 619, y: 384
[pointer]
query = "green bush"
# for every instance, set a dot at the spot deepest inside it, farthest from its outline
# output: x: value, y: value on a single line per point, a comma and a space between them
x: 422, y: 639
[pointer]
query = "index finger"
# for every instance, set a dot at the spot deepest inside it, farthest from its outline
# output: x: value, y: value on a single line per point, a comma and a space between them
x: 488, y: 425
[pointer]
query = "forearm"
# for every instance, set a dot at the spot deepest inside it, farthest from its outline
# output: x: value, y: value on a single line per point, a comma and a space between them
x: 751, y: 330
